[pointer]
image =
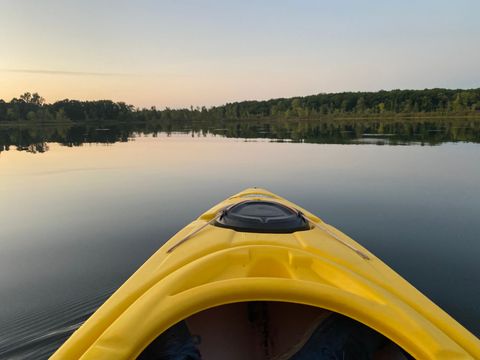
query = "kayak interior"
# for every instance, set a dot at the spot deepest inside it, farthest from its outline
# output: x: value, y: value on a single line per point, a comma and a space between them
x: 271, y: 330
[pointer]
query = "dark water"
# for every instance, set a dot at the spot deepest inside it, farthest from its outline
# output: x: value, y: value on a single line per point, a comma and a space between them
x: 81, y: 208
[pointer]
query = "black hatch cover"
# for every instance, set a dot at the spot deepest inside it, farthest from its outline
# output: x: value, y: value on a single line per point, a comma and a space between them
x: 262, y: 216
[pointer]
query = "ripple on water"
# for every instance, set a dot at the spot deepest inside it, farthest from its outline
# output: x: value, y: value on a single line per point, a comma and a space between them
x: 37, y: 336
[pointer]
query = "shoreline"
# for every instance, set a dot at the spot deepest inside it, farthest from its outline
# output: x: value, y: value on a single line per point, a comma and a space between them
x: 330, y: 118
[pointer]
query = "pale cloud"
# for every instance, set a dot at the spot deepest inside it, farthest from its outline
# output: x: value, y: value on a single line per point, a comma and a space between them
x: 63, y: 72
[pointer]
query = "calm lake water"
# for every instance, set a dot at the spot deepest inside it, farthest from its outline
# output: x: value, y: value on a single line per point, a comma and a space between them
x: 82, y: 209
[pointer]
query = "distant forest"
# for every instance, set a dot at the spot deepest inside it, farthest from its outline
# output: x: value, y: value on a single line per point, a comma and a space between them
x: 429, y: 102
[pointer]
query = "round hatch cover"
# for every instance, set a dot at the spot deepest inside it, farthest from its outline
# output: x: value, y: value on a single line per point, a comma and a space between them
x: 262, y: 216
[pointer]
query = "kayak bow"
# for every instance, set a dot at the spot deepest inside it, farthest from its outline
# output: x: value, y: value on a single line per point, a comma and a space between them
x: 256, y: 246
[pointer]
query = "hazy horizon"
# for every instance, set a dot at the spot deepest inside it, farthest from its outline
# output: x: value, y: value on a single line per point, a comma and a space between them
x: 182, y: 53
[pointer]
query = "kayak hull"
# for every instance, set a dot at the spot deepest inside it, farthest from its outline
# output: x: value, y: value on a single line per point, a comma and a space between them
x: 204, y: 266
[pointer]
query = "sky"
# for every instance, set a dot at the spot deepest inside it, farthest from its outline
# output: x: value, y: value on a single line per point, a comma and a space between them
x: 177, y: 53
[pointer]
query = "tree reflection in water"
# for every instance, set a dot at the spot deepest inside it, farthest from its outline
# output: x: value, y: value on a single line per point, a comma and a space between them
x: 35, y: 138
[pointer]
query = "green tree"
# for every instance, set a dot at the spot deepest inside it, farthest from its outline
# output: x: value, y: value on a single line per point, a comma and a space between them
x: 37, y: 99
x: 360, y: 107
x: 34, y: 98
x: 60, y: 116
x: 31, y: 116
x: 381, y: 108
x: 457, y: 104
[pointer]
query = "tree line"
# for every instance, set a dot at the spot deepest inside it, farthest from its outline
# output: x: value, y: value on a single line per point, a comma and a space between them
x: 443, y: 102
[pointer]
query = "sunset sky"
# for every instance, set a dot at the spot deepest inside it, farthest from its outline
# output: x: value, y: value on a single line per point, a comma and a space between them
x: 179, y: 53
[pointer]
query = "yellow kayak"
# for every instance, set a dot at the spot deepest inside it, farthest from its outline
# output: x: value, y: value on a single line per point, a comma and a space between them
x: 258, y: 277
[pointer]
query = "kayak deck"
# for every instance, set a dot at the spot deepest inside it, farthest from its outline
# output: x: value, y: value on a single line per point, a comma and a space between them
x: 206, y: 266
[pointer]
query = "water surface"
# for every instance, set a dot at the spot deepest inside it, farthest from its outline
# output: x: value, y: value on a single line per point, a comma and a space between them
x: 78, y: 218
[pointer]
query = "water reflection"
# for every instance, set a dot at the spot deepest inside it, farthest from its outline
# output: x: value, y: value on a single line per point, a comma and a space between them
x: 77, y: 221
x: 35, y: 138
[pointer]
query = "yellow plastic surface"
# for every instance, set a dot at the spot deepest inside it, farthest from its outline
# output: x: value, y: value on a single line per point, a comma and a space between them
x: 217, y: 266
